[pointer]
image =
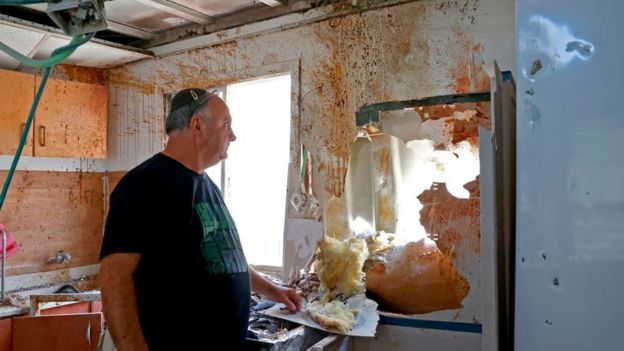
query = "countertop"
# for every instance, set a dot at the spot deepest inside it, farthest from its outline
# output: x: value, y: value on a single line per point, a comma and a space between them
x: 10, y: 311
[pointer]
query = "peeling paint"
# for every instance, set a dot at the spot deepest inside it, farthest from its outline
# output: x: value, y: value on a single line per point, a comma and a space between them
x: 481, y: 113
x: 455, y: 222
x: 359, y: 57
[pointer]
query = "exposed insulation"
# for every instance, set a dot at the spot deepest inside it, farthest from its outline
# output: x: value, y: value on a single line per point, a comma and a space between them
x: 379, y: 242
x: 340, y: 266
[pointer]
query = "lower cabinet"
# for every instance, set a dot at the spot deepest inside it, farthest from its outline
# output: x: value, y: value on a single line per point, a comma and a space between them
x: 63, y: 332
x: 70, y: 327
x: 6, y: 330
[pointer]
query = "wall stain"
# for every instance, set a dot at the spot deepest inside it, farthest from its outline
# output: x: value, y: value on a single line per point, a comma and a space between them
x: 51, y: 211
x: 468, y: 72
x: 455, y: 221
x: 81, y: 74
x: 385, y: 208
x: 124, y: 77
x: 356, y: 70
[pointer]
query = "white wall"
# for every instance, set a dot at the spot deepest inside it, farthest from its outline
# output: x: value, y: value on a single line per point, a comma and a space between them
x: 570, y: 204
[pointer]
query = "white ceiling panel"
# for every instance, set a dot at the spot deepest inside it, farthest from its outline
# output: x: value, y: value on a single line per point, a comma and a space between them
x: 217, y: 7
x: 90, y: 54
x: 139, y: 15
x: 21, y: 40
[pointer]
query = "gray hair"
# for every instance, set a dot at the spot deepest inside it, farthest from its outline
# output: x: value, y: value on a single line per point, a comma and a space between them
x: 180, y: 118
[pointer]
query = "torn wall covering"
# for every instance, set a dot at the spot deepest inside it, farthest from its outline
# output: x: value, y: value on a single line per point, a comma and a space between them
x: 413, y: 50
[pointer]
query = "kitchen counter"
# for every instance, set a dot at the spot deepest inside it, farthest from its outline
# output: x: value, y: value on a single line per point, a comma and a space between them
x: 11, y: 311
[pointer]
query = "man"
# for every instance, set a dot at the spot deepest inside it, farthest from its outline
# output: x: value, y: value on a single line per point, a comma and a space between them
x: 171, y: 254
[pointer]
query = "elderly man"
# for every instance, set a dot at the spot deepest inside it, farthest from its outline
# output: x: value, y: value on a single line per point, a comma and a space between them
x: 173, y: 274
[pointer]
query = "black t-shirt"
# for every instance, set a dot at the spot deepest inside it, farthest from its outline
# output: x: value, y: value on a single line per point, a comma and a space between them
x: 192, y: 282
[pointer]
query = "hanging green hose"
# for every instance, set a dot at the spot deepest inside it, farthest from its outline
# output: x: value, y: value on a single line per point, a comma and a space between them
x: 7, y: 182
x: 57, y: 56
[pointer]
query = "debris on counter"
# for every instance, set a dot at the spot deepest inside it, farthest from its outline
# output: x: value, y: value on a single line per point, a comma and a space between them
x: 332, y: 315
x: 308, y: 285
x: 341, y: 276
x: 364, y: 312
x: 267, y: 328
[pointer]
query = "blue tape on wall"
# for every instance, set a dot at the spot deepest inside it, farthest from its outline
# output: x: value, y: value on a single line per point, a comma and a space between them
x: 427, y: 324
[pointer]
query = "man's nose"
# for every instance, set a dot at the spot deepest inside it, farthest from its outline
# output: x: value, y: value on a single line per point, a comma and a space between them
x: 232, y: 136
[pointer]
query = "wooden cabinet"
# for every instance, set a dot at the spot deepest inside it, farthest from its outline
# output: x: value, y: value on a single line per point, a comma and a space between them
x: 68, y: 332
x: 6, y: 334
x: 71, y: 119
x: 17, y: 92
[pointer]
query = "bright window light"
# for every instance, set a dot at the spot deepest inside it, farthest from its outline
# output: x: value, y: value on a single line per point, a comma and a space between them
x: 257, y: 165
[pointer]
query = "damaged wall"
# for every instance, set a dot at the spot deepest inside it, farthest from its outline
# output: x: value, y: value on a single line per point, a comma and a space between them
x: 413, y: 50
x: 54, y: 204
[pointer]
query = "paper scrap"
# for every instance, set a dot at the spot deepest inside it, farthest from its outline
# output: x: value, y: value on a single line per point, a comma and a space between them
x: 365, y: 326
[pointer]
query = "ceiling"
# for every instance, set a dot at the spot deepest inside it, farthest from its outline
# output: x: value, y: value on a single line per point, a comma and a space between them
x: 136, y: 26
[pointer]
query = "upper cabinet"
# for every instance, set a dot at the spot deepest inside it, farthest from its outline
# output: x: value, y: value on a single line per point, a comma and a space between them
x: 17, y: 96
x: 71, y: 119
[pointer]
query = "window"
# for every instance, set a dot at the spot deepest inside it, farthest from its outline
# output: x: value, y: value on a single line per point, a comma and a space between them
x: 256, y: 170
x: 253, y: 179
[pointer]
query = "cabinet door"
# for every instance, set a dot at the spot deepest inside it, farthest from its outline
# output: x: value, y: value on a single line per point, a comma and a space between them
x: 71, y: 120
x: 18, y: 93
x: 68, y: 332
x: 6, y: 330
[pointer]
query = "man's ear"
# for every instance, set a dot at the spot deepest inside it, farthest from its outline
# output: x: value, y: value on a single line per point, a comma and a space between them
x: 194, y: 124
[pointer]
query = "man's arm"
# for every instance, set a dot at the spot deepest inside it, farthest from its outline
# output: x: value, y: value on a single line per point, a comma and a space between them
x: 287, y: 296
x: 119, y: 301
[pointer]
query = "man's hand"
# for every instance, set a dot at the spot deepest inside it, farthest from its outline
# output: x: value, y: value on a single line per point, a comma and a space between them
x: 287, y: 296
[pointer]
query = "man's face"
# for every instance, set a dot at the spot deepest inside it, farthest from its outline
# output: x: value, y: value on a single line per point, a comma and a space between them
x: 217, y: 133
